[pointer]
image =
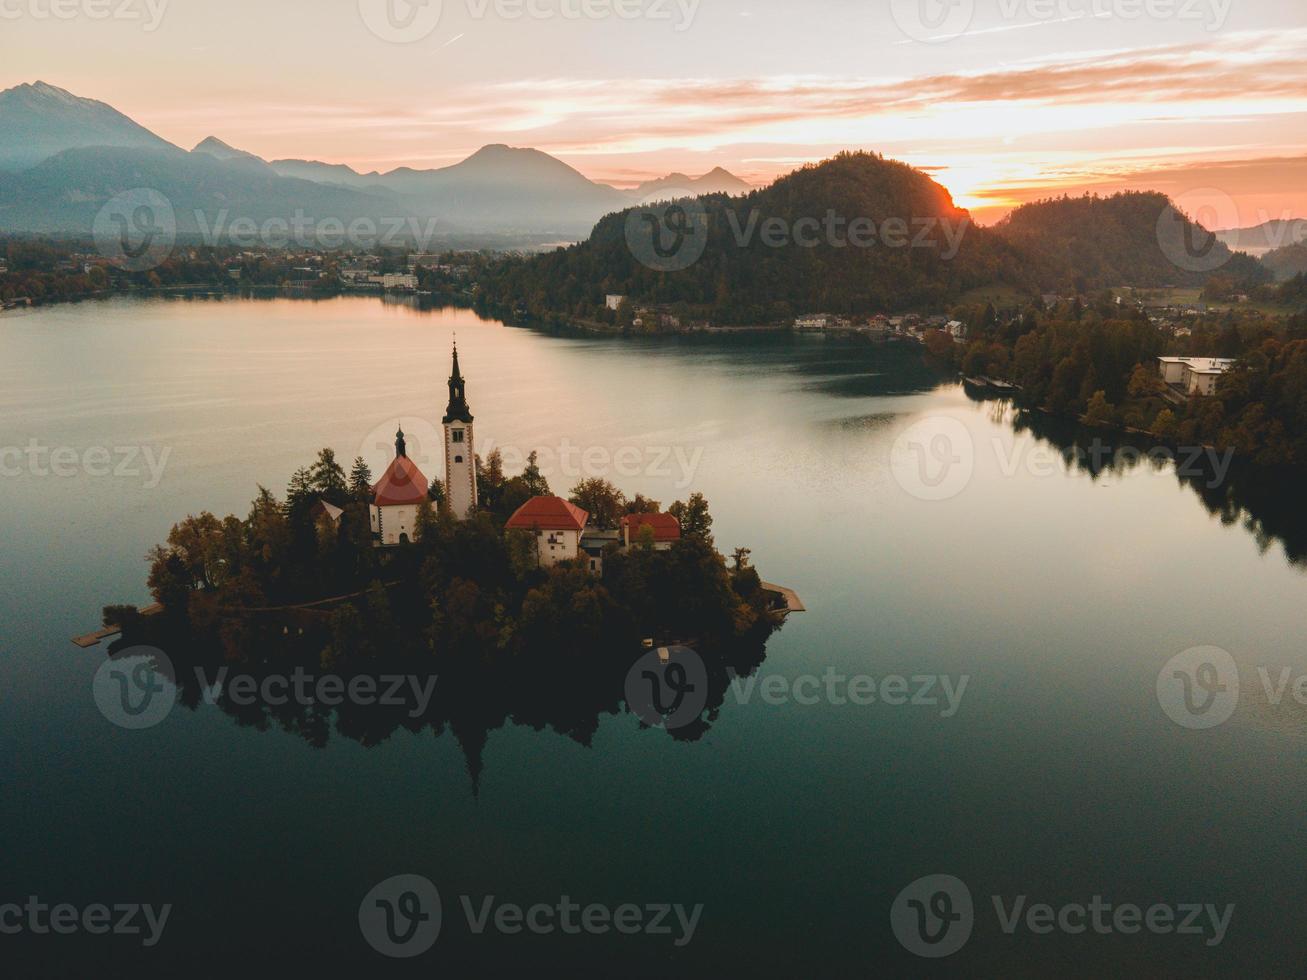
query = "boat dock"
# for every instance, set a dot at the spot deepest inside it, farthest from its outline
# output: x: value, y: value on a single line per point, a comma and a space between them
x: 94, y: 639
x: 788, y: 600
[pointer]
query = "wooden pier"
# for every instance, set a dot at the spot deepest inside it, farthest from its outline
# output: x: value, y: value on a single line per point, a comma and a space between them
x: 788, y: 600
x: 93, y: 639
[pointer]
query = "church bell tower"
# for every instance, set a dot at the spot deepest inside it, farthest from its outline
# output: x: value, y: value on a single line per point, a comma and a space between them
x: 460, y: 463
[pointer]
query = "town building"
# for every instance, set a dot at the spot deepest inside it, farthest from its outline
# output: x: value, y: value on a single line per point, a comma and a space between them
x: 557, y: 525
x: 613, y: 301
x: 396, y: 498
x: 1193, y: 375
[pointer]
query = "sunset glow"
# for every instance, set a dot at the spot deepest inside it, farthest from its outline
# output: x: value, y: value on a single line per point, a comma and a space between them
x: 1106, y: 103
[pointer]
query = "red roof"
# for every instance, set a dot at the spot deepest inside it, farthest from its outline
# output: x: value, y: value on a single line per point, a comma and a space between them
x: 402, y: 483
x: 665, y: 526
x: 549, y: 514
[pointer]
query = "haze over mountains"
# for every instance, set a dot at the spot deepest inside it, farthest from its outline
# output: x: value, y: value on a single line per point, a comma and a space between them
x: 62, y: 157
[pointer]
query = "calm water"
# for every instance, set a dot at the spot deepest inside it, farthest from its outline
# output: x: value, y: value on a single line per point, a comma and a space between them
x: 1060, y: 595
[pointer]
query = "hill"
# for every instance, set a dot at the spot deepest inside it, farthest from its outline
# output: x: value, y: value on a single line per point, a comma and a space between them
x: 1129, y: 239
x: 39, y: 120
x: 1287, y: 262
x: 746, y: 273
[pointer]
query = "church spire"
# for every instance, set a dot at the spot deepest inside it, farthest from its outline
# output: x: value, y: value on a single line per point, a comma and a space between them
x: 457, y: 410
x: 401, y: 447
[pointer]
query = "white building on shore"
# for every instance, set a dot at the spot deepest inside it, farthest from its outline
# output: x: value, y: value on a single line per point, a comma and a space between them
x: 1194, y: 375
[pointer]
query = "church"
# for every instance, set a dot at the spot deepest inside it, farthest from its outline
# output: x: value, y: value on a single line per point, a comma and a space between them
x: 402, y: 488
x: 563, y: 531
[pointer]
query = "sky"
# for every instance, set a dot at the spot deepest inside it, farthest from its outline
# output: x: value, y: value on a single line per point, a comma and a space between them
x: 1002, y: 101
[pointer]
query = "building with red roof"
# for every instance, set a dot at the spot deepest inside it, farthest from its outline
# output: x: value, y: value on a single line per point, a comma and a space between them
x: 557, y: 525
x: 666, y: 529
x: 397, y: 496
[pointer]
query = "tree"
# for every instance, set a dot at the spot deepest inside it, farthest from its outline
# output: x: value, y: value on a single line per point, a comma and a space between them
x: 693, y: 517
x: 1100, y: 411
x: 740, y: 558
x: 360, y: 481
x: 603, y: 501
x: 1164, y: 426
x: 536, y: 484
x: 426, y: 529
x: 327, y: 479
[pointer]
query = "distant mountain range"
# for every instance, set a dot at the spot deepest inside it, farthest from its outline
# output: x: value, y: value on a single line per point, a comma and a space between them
x: 38, y: 120
x: 62, y: 157
x: 1266, y: 237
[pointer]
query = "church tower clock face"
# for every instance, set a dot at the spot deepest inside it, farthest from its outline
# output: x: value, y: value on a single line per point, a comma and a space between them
x: 460, y: 462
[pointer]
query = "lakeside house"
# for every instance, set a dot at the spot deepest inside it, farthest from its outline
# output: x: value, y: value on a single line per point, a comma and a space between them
x: 613, y: 301
x: 1193, y: 375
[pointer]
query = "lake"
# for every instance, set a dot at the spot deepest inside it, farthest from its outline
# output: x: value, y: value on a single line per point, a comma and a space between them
x: 929, y: 535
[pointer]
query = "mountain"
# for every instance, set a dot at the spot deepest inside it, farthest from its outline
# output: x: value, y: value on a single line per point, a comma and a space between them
x: 326, y: 173
x: 718, y: 181
x: 1287, y: 262
x: 1129, y: 239
x: 67, y: 191
x: 724, y: 263
x: 498, y: 188
x: 215, y: 147
x: 39, y: 120
x: 1267, y: 236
